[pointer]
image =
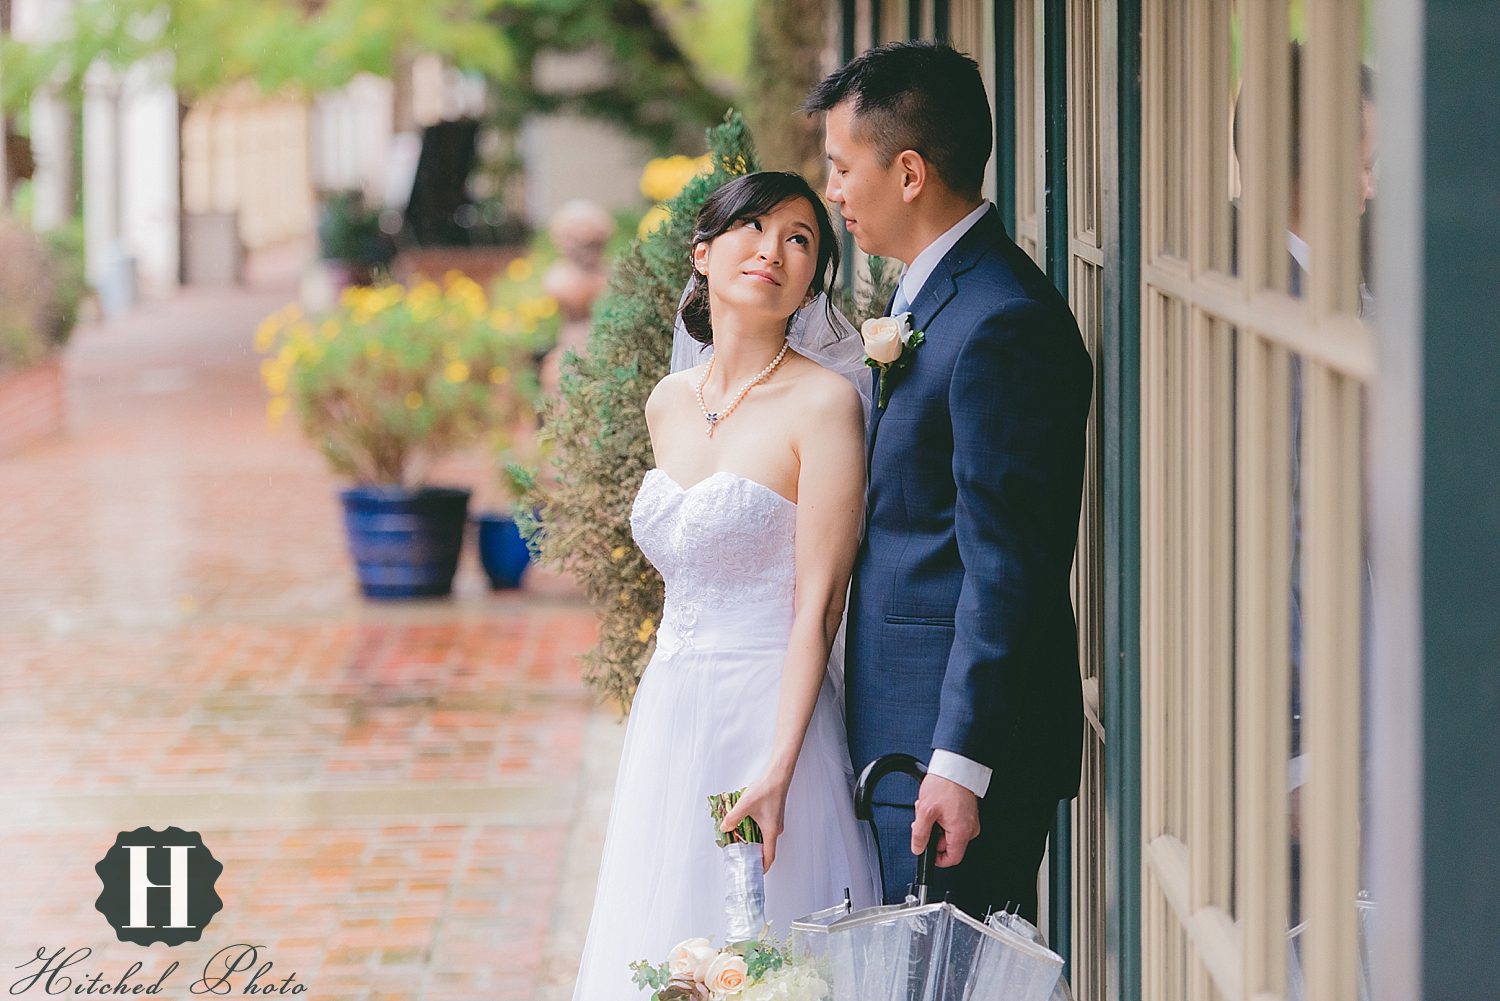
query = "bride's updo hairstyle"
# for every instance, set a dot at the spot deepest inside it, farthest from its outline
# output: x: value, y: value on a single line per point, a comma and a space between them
x: 750, y: 197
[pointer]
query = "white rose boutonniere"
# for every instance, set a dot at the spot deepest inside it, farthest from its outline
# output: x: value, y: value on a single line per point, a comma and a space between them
x: 889, y: 345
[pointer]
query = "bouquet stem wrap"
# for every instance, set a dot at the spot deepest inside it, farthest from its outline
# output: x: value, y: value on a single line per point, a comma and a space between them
x: 745, y: 892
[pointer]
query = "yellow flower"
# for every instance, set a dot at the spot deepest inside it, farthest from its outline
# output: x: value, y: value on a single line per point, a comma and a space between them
x: 665, y: 177
x: 329, y: 330
x: 652, y: 221
x: 456, y: 371
x: 500, y: 319
x: 265, y: 334
x: 518, y: 270
x: 413, y: 400
x: 546, y: 307
x: 648, y: 628
x: 423, y: 296
x: 618, y: 554
x: 276, y: 408
x: 388, y: 296
x: 474, y: 304
x: 499, y: 375
x: 274, y: 377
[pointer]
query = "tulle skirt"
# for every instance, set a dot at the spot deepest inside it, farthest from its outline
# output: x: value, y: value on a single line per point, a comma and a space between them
x: 702, y: 723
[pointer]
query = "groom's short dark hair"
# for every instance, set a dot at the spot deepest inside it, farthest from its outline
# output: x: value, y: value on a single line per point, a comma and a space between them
x: 921, y: 96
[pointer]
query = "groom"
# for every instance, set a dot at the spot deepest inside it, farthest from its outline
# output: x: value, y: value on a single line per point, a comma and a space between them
x: 962, y: 646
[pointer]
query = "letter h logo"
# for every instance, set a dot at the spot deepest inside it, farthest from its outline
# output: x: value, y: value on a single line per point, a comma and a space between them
x: 158, y: 886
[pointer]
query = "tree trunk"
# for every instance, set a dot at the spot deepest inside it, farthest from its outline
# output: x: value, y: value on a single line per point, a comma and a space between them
x: 785, y: 64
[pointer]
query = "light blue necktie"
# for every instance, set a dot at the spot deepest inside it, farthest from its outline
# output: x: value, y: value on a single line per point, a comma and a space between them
x: 899, y: 304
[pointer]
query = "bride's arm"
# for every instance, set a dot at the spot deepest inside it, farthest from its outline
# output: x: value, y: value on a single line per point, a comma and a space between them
x: 830, y: 444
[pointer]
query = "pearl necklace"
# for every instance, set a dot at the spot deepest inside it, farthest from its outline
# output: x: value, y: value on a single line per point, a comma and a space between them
x: 715, y: 416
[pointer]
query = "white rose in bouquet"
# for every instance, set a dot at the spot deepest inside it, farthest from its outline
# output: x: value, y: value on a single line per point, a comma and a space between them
x: 726, y: 974
x: 692, y: 959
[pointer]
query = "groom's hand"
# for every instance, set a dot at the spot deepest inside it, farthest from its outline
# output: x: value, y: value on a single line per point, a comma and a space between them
x: 954, y: 809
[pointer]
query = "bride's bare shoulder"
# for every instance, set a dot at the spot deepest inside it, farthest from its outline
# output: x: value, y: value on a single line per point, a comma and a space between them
x: 672, y: 391
x: 823, y: 390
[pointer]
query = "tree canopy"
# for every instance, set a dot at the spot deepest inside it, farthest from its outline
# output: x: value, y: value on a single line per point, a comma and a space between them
x: 655, y: 86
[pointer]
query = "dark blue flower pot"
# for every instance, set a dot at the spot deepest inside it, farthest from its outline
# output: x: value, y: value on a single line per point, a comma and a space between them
x: 502, y: 551
x: 405, y: 543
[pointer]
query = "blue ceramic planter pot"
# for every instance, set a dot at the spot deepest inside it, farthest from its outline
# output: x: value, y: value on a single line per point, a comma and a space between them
x: 405, y: 543
x: 502, y: 551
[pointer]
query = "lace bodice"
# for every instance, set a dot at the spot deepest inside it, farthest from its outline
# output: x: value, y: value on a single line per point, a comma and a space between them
x: 724, y: 546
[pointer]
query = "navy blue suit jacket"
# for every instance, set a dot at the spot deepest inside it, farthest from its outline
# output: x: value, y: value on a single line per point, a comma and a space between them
x: 961, y: 628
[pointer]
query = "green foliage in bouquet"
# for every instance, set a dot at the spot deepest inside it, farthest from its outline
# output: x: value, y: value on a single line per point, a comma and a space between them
x: 748, y: 831
x: 757, y: 970
x: 596, y: 429
x: 394, y: 378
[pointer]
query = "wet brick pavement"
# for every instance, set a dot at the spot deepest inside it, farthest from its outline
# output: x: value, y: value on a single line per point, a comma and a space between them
x: 407, y: 799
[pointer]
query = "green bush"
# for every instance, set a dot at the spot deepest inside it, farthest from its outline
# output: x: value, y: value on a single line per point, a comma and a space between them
x: 41, y: 289
x: 596, y: 430
x: 70, y: 284
x: 348, y: 230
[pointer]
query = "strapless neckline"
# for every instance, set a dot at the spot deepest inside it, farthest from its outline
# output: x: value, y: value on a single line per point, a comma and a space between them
x: 722, y: 472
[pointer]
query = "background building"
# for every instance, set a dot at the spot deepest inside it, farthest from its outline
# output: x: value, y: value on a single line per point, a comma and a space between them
x: 1286, y: 573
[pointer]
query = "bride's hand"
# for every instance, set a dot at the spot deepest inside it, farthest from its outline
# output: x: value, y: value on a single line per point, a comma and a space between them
x: 764, y: 802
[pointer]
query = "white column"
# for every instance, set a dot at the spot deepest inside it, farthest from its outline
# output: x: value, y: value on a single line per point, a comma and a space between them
x: 110, y: 268
x: 53, y: 125
x: 53, y: 139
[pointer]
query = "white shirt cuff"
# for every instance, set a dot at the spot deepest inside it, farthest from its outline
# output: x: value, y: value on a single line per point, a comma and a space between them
x: 956, y: 768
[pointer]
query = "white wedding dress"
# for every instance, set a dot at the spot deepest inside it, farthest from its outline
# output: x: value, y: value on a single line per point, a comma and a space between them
x: 702, y: 723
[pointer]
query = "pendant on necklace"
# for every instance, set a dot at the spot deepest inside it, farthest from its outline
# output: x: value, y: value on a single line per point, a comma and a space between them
x: 713, y: 418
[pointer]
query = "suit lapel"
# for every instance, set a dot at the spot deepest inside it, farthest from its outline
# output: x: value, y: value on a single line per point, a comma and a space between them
x: 937, y: 292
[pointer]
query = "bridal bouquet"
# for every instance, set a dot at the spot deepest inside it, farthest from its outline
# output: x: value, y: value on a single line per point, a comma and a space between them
x: 744, y: 871
x: 749, y: 971
x: 753, y: 967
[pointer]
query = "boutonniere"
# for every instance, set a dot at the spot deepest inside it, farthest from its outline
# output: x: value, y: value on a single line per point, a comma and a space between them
x: 890, y: 344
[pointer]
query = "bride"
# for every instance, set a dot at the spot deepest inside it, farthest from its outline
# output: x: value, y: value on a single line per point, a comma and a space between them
x: 752, y: 516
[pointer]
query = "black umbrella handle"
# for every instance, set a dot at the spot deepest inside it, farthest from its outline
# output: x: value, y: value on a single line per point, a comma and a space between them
x: 864, y: 808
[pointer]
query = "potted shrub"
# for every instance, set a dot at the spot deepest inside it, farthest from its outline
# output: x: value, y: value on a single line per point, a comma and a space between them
x: 531, y: 317
x: 41, y: 289
x: 350, y: 240
x: 387, y: 383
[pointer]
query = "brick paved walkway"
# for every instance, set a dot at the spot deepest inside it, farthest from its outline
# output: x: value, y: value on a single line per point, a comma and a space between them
x: 407, y: 799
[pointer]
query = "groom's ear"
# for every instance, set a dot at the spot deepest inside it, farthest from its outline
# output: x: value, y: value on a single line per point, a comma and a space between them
x: 914, y: 172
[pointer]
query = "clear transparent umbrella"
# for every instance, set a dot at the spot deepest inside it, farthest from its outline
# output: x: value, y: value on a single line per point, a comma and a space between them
x: 921, y: 951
